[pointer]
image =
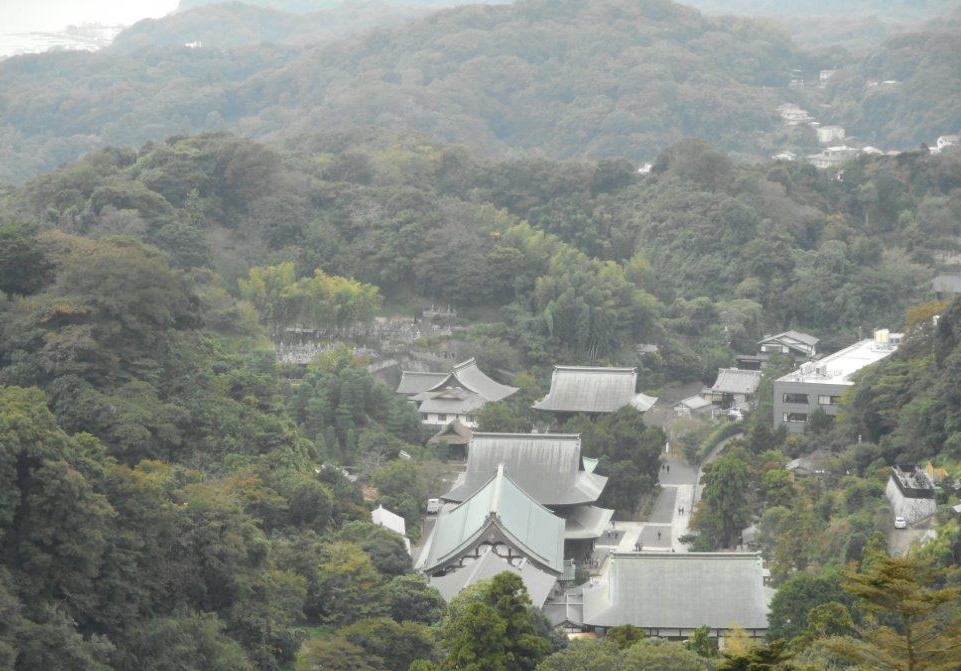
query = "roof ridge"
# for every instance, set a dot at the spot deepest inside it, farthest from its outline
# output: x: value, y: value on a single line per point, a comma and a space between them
x: 498, y: 489
x: 464, y: 364
x: 606, y: 369
x: 660, y: 554
x: 527, y: 435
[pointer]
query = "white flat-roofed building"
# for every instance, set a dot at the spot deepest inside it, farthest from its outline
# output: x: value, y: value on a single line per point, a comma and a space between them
x: 820, y: 384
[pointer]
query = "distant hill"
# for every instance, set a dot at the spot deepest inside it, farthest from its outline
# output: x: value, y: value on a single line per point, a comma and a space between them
x: 857, y: 25
x: 236, y: 24
x: 908, y: 91
x: 306, y: 6
x: 557, y: 78
x: 564, y: 79
x: 899, y: 9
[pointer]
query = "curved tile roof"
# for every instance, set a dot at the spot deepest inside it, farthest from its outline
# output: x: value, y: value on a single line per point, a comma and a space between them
x: 469, y: 376
x: 412, y: 382
x: 545, y: 465
x: 593, y: 389
x: 737, y: 381
x: 682, y: 590
x: 501, y: 508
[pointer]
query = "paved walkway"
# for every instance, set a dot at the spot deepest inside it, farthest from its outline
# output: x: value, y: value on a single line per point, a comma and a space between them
x: 678, y: 481
x: 680, y: 490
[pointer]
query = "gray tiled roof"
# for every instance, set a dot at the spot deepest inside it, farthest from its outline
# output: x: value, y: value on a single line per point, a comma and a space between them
x: 412, y: 382
x: 693, y: 402
x: 737, y: 381
x: 545, y: 465
x: 469, y: 376
x: 796, y: 336
x: 586, y: 522
x: 498, y: 508
x: 682, y: 590
x: 539, y: 583
x: 950, y: 284
x: 591, y: 389
x: 449, y: 401
x: 465, y: 375
x: 453, y: 433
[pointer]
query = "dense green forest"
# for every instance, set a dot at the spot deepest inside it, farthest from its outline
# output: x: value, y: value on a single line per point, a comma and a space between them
x: 673, y: 257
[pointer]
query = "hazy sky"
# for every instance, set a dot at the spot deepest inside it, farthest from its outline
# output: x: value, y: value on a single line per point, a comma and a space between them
x: 27, y: 15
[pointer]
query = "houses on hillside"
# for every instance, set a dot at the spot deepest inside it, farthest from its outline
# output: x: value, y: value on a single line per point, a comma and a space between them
x: 734, y: 389
x: 829, y: 134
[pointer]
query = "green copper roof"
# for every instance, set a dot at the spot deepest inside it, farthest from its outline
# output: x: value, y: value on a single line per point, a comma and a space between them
x: 503, y: 510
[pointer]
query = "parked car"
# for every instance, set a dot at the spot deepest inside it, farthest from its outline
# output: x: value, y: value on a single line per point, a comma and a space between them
x: 433, y: 506
x: 900, y: 523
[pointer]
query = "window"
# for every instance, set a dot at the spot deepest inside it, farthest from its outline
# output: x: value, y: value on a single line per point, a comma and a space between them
x: 796, y: 398
x: 470, y: 419
x: 423, y: 416
x: 828, y: 400
x: 796, y: 417
x: 442, y: 417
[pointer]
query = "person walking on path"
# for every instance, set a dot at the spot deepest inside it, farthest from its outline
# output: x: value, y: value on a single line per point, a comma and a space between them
x: 658, y: 535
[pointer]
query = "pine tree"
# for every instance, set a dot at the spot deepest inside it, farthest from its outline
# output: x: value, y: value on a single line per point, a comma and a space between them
x: 912, y: 617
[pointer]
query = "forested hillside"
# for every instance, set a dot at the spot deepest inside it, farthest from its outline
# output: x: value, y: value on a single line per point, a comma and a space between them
x: 567, y: 80
x: 234, y: 24
x: 921, y: 102
x: 857, y: 26
x: 699, y: 243
x: 562, y: 79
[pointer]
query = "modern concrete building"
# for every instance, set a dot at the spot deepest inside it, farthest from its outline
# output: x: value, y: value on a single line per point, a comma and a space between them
x: 820, y: 384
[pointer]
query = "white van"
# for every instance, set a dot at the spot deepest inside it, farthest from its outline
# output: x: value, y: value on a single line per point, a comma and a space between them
x: 433, y: 506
